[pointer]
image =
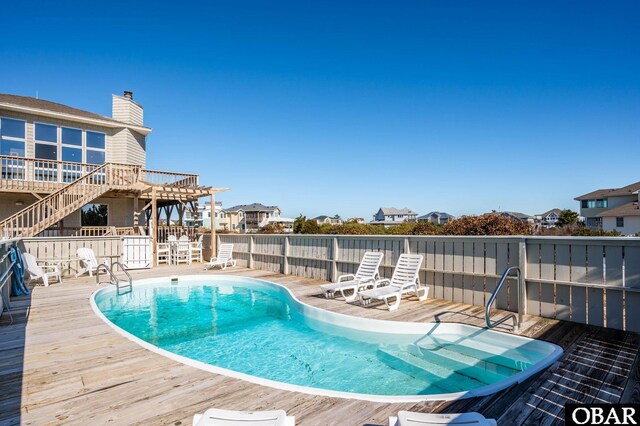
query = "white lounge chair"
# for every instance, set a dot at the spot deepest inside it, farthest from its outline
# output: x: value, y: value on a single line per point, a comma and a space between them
x: 42, y: 272
x: 405, y: 280
x: 196, y: 249
x: 218, y: 417
x: 365, y: 277
x: 407, y: 418
x: 224, y: 258
x: 88, y: 261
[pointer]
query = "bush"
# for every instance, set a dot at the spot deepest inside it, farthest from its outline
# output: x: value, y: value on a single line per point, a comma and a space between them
x: 487, y: 224
x: 354, y: 228
x: 272, y: 229
x: 426, y: 228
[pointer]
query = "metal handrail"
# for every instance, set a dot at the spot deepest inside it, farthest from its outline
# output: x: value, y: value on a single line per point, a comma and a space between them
x: 487, y: 313
x: 114, y: 279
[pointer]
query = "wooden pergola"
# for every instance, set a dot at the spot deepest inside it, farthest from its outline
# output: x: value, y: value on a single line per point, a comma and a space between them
x: 166, y: 198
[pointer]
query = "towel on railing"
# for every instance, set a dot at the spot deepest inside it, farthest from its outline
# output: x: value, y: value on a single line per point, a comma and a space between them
x: 18, y: 287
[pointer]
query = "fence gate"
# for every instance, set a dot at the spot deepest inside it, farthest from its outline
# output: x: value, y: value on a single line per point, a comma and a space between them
x: 137, y: 252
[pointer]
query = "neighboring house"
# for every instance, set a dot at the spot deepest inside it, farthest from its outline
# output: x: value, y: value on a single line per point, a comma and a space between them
x: 231, y: 220
x: 204, y: 216
x: 389, y: 216
x: 548, y: 219
x: 439, y: 218
x: 46, y: 147
x: 520, y: 217
x: 613, y: 209
x: 322, y: 220
x: 257, y: 216
x: 355, y: 220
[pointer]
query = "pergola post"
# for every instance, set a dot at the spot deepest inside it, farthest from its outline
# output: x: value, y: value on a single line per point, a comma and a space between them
x: 136, y: 212
x: 213, y: 223
x: 154, y: 234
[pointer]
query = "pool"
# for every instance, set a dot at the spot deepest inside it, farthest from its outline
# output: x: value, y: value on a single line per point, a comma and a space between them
x: 258, y: 331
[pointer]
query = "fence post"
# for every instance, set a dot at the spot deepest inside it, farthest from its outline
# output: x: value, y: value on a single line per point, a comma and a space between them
x: 407, y: 247
x: 251, y: 252
x: 522, y: 284
x: 285, y: 269
x: 334, y: 259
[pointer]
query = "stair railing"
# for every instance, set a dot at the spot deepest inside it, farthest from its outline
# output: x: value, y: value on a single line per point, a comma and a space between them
x: 492, y: 298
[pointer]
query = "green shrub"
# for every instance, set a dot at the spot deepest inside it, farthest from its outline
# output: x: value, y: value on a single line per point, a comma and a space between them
x: 487, y: 224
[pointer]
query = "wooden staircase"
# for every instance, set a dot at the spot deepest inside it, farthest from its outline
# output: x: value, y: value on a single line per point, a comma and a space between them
x: 53, y: 208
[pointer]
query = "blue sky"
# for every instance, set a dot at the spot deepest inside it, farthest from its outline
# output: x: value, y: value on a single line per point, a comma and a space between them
x: 342, y: 107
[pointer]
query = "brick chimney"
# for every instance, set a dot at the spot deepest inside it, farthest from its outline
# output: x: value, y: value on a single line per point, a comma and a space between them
x: 124, y: 109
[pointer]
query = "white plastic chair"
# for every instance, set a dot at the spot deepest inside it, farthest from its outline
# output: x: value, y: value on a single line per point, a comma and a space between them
x: 408, y: 418
x: 224, y: 258
x: 43, y: 272
x: 196, y: 249
x: 182, y: 251
x: 88, y: 261
x: 163, y: 253
x: 218, y: 417
x: 365, y: 277
x: 405, y: 280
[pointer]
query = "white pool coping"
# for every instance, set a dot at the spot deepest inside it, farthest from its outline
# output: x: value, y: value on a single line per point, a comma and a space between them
x: 346, y: 321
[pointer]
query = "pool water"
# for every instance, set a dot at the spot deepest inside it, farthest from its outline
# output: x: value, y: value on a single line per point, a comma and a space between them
x: 257, y: 328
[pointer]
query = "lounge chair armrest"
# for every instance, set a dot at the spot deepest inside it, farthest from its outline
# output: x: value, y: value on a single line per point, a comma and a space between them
x: 344, y: 277
x: 51, y: 267
x: 383, y: 282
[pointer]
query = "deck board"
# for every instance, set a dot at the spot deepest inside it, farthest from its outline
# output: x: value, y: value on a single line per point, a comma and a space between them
x: 60, y: 364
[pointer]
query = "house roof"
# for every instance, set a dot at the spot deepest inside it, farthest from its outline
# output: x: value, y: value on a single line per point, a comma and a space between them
x: 254, y: 207
x: 517, y: 215
x: 547, y: 213
x: 442, y: 215
x: 26, y: 103
x: 394, y: 211
x: 322, y: 217
x: 611, y: 192
x: 629, y: 209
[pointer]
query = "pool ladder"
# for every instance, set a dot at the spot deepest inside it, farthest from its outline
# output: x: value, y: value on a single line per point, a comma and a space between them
x: 114, y: 280
x: 517, y: 319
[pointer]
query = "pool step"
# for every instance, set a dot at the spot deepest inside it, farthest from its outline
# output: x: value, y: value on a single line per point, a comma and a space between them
x: 438, y: 375
x: 516, y: 359
x: 484, y: 371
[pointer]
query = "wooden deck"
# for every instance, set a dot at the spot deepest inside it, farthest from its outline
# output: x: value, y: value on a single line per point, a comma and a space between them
x: 60, y: 364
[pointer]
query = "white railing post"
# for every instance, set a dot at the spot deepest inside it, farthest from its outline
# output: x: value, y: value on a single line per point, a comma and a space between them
x: 334, y: 259
x: 285, y: 268
x: 522, y: 284
x: 407, y: 247
x: 251, y: 252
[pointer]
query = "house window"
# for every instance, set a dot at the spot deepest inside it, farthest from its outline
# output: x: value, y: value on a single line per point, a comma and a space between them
x: 619, y: 222
x: 94, y: 215
x: 12, y: 135
x: 96, y: 146
x: 584, y: 204
x: 602, y: 203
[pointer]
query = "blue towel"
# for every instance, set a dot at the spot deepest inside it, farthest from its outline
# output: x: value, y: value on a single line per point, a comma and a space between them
x: 18, y: 286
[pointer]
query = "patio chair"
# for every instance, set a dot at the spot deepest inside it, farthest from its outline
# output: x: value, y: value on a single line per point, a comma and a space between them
x: 224, y: 258
x: 163, y: 253
x: 407, y: 418
x: 218, y: 417
x: 40, y: 272
x: 364, y: 277
x: 196, y: 249
x: 404, y: 281
x: 181, y: 251
x: 88, y: 261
